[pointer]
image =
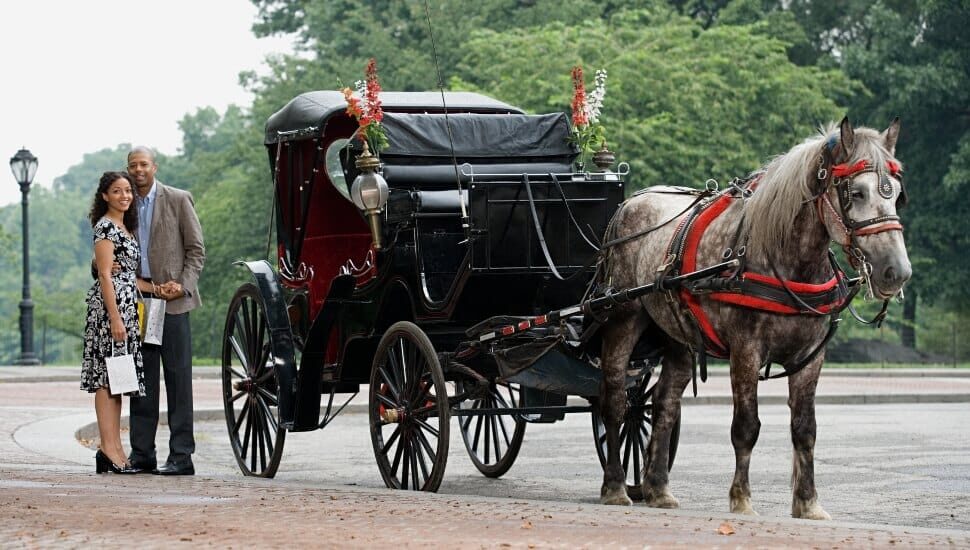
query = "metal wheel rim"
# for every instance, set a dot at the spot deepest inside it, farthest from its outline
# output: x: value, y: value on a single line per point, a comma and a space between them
x: 412, y: 452
x: 493, y: 442
x: 638, y: 423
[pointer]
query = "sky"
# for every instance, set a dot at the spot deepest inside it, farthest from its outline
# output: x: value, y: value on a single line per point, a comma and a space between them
x: 79, y: 76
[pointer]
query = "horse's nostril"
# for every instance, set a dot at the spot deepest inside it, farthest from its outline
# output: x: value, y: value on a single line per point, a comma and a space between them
x: 889, y: 275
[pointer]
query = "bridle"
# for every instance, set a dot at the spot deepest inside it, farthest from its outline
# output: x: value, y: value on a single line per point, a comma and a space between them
x: 842, y: 177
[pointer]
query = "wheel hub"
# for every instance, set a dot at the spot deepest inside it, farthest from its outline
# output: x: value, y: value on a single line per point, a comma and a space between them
x: 246, y: 385
x: 394, y: 416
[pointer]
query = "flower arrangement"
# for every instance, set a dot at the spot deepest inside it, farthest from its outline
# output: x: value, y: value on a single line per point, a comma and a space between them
x: 366, y: 108
x: 588, y: 133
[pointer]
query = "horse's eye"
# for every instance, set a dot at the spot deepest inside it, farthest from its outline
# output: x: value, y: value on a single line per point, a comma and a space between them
x: 858, y: 195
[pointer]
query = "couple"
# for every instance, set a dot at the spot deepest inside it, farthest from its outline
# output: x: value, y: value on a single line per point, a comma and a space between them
x: 148, y: 240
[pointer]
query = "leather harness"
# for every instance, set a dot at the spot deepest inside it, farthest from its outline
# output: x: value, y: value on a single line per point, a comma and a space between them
x: 764, y: 292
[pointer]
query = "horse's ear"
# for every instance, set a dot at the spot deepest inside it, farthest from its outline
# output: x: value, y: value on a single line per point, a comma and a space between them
x: 891, y: 135
x: 848, y: 137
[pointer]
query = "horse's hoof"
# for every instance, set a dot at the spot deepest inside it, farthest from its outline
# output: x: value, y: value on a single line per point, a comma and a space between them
x: 662, y: 500
x: 810, y: 510
x: 743, y: 507
x: 615, y: 497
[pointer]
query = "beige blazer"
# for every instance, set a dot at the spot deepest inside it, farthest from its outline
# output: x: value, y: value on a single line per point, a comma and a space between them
x: 175, y: 248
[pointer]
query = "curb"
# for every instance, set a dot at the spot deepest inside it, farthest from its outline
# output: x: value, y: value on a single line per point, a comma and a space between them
x: 90, y: 431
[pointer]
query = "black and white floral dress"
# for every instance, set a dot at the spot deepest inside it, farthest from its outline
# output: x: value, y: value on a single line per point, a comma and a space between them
x: 97, y: 329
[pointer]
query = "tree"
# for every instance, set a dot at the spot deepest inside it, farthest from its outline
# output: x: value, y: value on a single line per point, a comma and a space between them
x: 914, y: 58
x: 683, y: 104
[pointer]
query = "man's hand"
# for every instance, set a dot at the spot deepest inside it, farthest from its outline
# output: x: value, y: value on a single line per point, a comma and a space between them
x: 170, y: 290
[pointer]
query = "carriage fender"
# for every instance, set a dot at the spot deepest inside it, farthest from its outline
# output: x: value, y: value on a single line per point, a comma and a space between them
x: 281, y: 338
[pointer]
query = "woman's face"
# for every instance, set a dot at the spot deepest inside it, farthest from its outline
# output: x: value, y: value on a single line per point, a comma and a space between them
x: 119, y: 195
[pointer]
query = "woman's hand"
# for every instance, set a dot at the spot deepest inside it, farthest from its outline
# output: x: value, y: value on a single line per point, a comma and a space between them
x: 118, y: 331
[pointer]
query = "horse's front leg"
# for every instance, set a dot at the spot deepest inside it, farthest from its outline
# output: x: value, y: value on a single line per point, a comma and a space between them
x: 674, y: 377
x: 620, y: 335
x: 745, y: 426
x: 801, y: 403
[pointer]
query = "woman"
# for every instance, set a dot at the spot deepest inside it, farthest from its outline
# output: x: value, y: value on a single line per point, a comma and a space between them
x: 112, y: 319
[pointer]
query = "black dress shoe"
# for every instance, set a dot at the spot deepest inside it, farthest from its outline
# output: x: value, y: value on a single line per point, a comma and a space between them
x: 143, y: 467
x: 173, y: 469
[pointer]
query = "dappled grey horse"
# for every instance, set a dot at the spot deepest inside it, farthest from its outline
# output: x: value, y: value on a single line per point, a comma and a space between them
x: 778, y: 307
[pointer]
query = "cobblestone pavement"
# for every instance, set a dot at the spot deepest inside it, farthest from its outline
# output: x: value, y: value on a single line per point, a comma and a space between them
x: 50, y: 497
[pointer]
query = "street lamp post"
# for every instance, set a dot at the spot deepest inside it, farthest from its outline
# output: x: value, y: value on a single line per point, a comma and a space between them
x: 24, y: 166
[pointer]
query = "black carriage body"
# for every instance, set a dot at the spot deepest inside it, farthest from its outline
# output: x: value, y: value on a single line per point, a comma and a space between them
x: 443, y: 267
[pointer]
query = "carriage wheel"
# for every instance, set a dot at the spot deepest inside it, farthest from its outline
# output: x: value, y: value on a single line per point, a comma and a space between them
x: 634, y: 435
x: 493, y: 441
x: 408, y: 410
x: 250, y: 392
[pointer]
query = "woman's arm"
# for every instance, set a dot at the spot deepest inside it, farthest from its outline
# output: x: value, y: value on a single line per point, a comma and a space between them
x: 146, y: 287
x: 104, y: 256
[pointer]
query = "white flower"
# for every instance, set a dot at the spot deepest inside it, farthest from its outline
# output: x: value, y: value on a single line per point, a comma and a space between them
x: 360, y: 86
x: 594, y: 101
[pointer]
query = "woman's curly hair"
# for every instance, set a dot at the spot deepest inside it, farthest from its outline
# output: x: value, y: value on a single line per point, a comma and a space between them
x: 100, y: 207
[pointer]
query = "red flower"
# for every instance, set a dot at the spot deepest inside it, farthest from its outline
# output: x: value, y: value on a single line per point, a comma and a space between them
x: 353, y: 104
x: 374, y: 111
x: 579, y: 98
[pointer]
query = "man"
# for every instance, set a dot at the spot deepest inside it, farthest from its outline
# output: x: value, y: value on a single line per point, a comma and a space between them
x: 172, y: 255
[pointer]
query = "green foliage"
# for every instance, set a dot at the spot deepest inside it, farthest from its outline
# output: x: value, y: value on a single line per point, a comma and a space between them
x: 683, y: 105
x: 697, y: 89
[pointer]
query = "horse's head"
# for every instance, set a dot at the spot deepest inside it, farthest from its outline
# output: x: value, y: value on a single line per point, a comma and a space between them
x: 862, y: 190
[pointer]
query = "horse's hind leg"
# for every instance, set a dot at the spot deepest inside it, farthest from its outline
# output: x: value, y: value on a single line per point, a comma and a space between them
x: 801, y: 402
x: 620, y: 335
x: 745, y: 426
x: 674, y: 378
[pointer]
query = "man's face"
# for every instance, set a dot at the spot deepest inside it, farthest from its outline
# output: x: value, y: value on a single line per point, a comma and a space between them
x: 142, y: 169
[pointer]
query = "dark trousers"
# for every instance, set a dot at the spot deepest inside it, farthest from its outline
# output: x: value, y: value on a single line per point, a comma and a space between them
x: 175, y: 354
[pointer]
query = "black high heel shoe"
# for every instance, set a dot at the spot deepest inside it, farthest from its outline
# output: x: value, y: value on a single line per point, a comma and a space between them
x: 103, y: 464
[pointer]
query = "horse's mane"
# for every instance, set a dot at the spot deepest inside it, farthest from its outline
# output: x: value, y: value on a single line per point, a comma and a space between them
x: 786, y: 186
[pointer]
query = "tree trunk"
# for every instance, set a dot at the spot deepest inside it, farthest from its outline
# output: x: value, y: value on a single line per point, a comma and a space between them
x: 907, y: 329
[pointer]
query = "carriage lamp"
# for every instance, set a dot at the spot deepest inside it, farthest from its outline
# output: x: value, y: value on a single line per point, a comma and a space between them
x: 369, y: 191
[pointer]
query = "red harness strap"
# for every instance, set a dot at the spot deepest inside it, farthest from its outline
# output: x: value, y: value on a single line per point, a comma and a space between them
x: 764, y: 293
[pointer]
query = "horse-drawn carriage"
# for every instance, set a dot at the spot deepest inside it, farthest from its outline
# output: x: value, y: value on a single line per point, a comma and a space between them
x: 458, y: 276
x: 486, y: 226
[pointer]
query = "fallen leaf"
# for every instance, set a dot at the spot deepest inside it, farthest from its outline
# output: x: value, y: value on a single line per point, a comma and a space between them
x: 527, y: 524
x: 725, y: 529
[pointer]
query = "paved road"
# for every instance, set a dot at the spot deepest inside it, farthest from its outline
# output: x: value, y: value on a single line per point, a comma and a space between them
x: 894, y: 471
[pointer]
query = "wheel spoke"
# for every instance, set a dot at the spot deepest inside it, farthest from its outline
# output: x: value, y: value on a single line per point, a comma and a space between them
x: 637, y: 454
x: 242, y: 415
x: 422, y: 388
x: 263, y: 392
x: 414, y: 466
x: 421, y: 460
x: 240, y: 354
x: 627, y: 445
x: 390, y: 441
x: 406, y: 462
x: 387, y: 402
x: 426, y: 426
x: 397, y: 455
x: 479, y: 420
x: 505, y: 432
x: 391, y: 384
x: 427, y: 444
x: 236, y: 397
x: 272, y: 427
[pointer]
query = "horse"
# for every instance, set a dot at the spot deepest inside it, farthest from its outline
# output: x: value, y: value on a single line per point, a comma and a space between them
x: 779, y: 306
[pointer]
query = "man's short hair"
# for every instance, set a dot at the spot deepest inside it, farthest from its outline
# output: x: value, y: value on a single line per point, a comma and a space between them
x: 142, y: 149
